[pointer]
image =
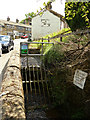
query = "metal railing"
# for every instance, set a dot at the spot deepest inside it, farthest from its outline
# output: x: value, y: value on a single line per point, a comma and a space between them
x: 36, y: 84
x: 28, y: 43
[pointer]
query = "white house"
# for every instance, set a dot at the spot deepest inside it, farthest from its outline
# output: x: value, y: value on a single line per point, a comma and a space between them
x: 48, y: 22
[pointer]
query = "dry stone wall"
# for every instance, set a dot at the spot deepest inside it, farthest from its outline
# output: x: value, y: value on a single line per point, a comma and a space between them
x: 13, y: 100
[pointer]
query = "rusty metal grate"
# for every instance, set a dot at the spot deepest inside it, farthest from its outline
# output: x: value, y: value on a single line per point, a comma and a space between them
x: 36, y: 85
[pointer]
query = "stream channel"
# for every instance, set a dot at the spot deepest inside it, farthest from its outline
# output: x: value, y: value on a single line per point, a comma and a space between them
x: 36, y: 93
x: 37, y: 90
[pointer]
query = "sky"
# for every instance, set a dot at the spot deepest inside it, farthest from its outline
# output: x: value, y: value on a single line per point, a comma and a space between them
x: 16, y: 9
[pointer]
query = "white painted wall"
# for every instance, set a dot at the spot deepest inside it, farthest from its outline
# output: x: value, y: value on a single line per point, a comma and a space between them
x: 45, y: 24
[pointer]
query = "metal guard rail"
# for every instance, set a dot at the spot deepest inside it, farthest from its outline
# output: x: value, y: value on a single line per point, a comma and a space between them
x: 28, y: 43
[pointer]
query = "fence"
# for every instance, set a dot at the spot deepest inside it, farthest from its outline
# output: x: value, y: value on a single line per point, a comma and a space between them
x: 64, y: 34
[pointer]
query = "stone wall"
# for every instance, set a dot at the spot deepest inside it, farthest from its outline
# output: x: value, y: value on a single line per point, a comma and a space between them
x: 13, y: 100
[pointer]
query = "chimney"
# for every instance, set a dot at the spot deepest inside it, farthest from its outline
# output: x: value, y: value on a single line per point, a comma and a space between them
x: 17, y: 21
x: 8, y: 18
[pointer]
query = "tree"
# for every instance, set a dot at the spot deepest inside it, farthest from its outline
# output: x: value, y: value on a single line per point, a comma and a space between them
x: 77, y: 15
x: 29, y: 17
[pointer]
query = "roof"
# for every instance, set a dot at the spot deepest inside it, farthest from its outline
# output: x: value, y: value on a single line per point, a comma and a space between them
x: 53, y: 12
x: 57, y: 14
x: 2, y: 22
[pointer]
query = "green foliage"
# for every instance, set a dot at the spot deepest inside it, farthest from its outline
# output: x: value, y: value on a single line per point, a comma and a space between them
x: 66, y: 96
x: 78, y: 115
x: 58, y: 87
x: 52, y: 60
x: 31, y: 15
x: 28, y: 16
x: 77, y: 15
x: 54, y: 56
x: 44, y: 4
x: 22, y: 21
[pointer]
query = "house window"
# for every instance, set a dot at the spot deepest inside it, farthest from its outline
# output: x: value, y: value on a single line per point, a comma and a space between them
x: 12, y: 26
x: 29, y: 29
x: 22, y: 28
x: 19, y: 28
x: 26, y: 29
x: 8, y: 26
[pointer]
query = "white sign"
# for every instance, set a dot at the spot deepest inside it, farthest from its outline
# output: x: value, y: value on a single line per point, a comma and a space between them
x: 80, y: 78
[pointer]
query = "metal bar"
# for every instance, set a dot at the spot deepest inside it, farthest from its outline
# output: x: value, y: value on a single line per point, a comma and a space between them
x: 26, y: 83
x: 34, y: 80
x: 42, y: 39
x: 38, y: 42
x: 27, y: 59
x: 42, y: 84
x: 38, y: 81
x: 29, y: 81
x: 31, y: 55
x: 48, y: 39
x: 42, y: 49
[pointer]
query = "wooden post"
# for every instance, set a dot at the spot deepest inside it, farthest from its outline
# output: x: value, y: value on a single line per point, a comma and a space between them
x: 48, y: 39
x: 42, y: 39
x: 42, y: 49
x: 60, y: 39
x: 79, y: 43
